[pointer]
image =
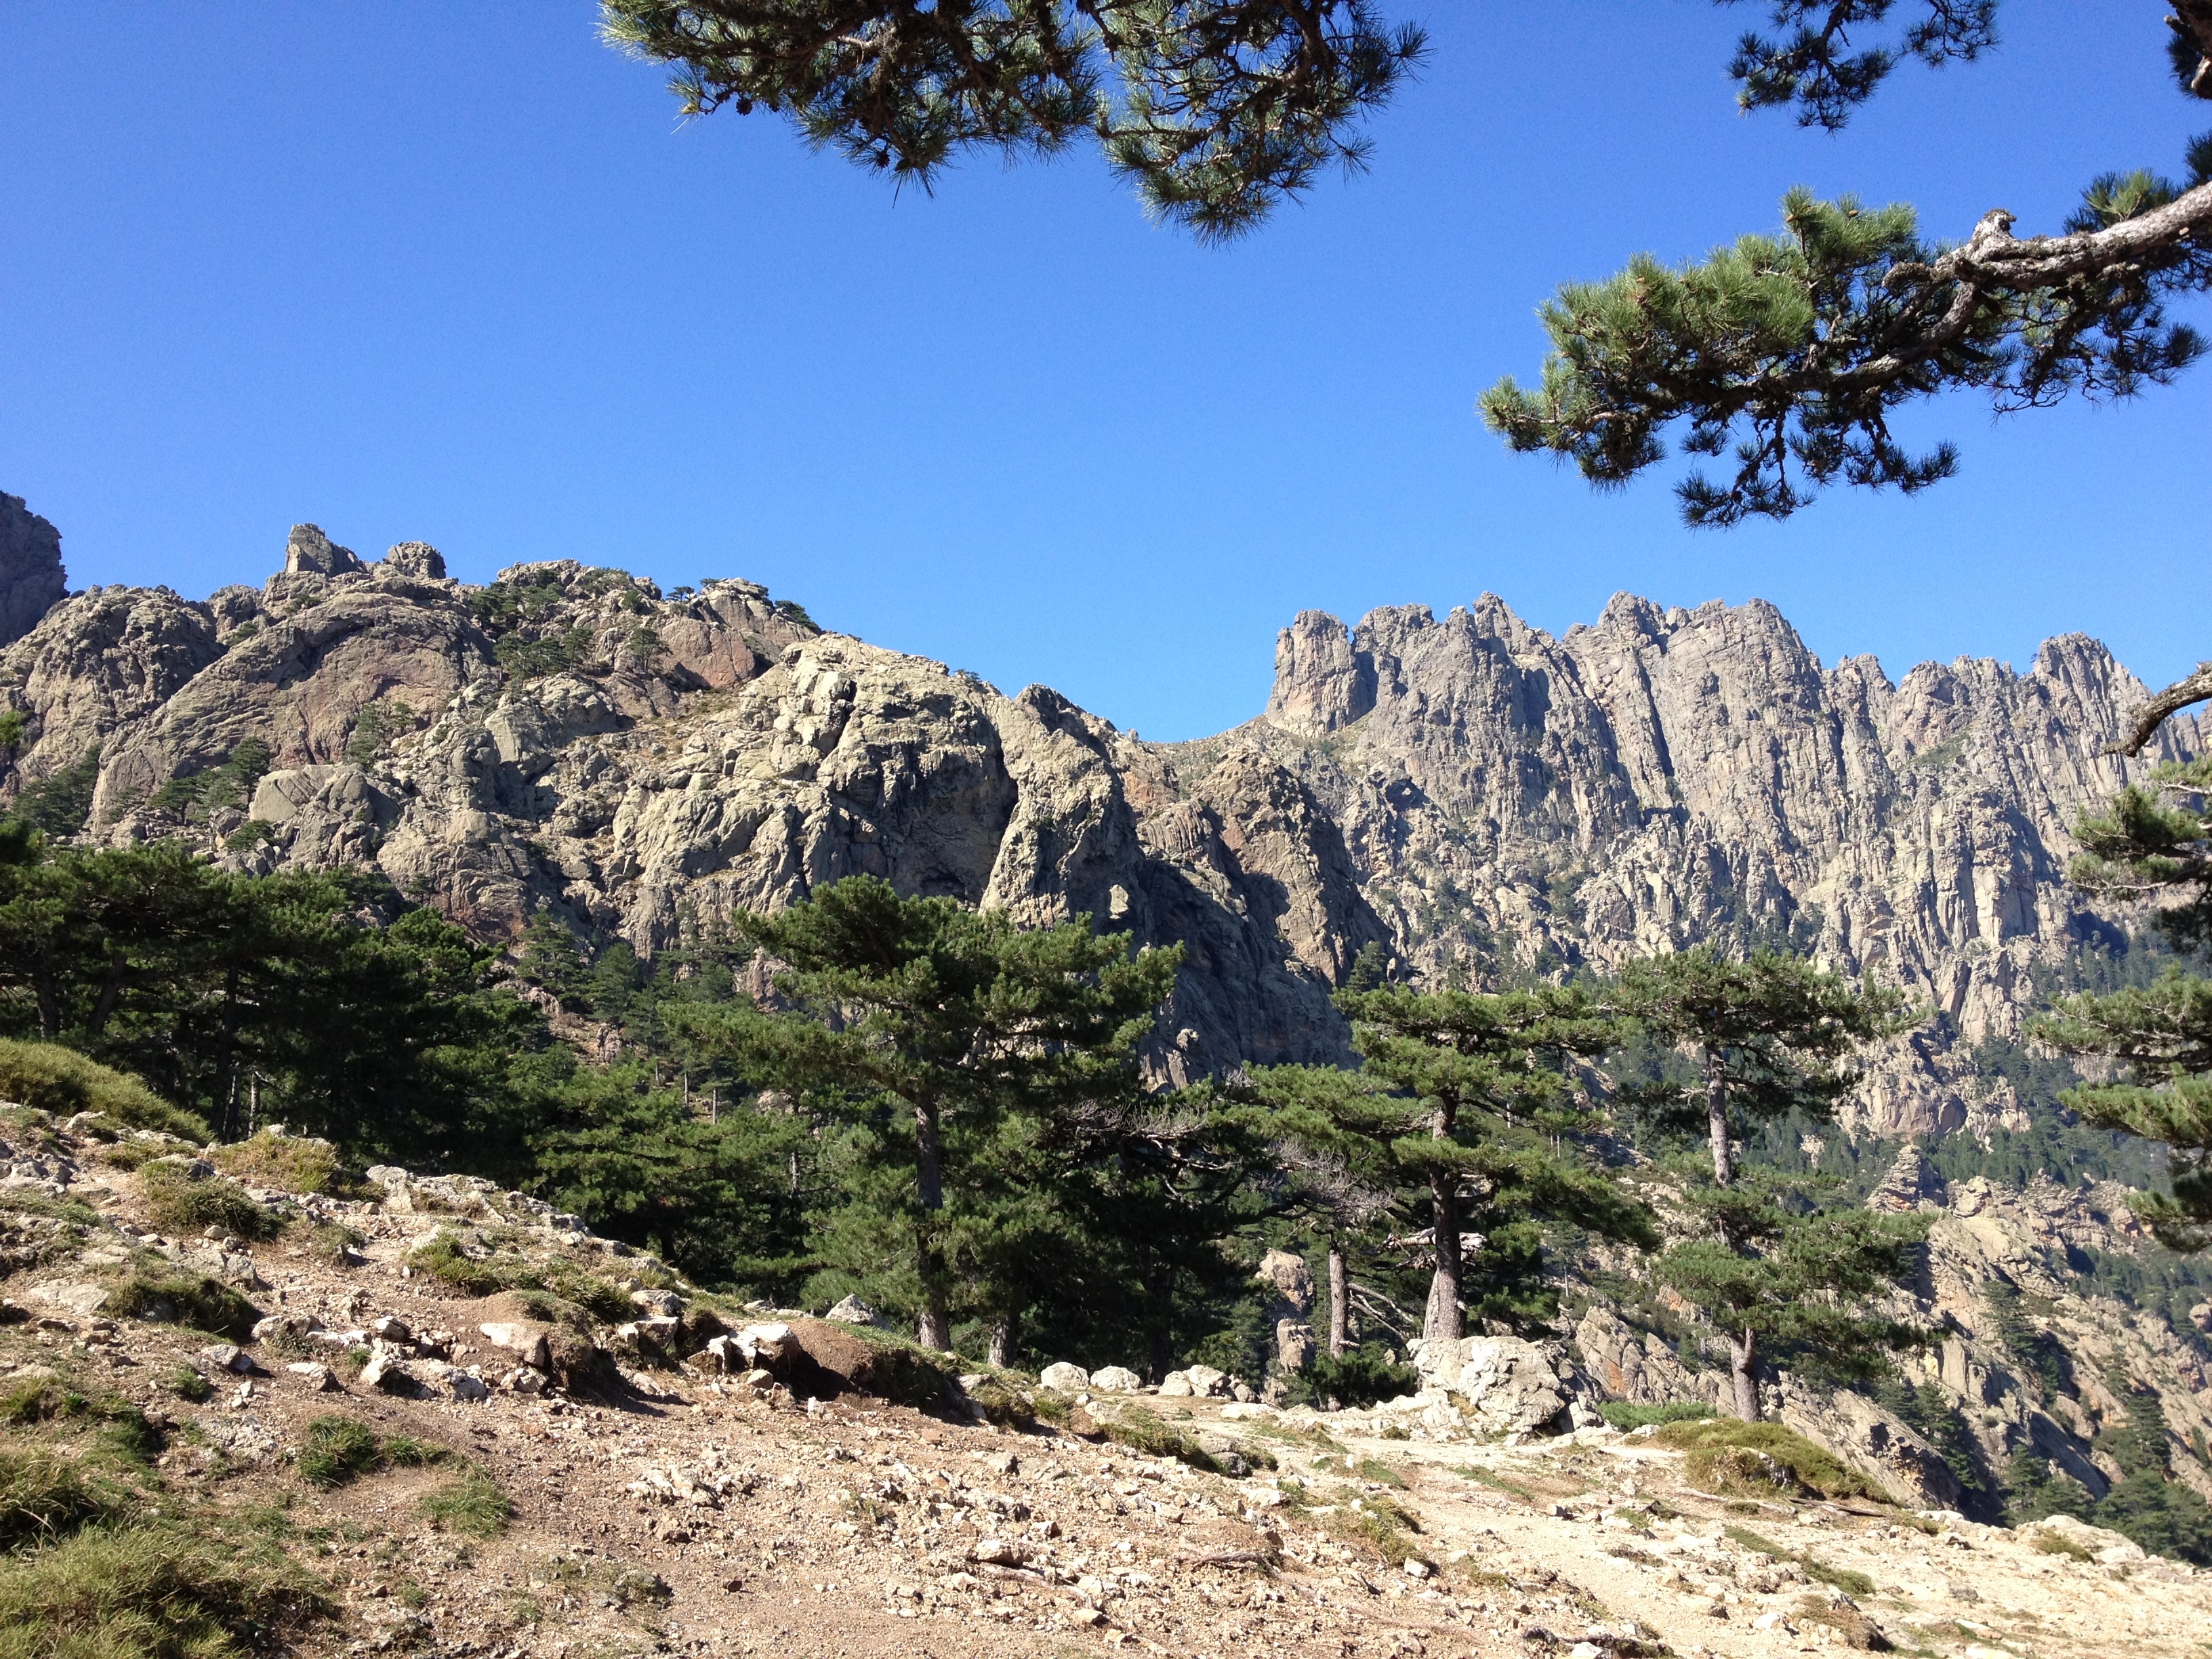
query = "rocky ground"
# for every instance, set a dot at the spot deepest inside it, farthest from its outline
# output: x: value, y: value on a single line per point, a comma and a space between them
x: 675, y: 1492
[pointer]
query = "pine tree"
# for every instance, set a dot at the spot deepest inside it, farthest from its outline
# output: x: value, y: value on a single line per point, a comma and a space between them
x: 2154, y: 840
x: 1464, y: 1098
x: 940, y: 1032
x: 1766, y: 1033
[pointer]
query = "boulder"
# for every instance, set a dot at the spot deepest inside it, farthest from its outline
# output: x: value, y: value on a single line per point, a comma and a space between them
x: 1207, y: 1382
x: 1507, y: 1384
x: 85, y: 1299
x: 316, y: 1375
x: 1065, y: 1377
x: 528, y: 1341
x: 660, y: 1304
x: 1290, y: 1279
x: 854, y: 1311
x: 1294, y: 1344
x: 1175, y: 1385
x: 571, y: 1357
x: 1117, y: 1379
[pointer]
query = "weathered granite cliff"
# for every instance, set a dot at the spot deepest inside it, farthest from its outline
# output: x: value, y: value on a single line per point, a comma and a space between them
x: 1467, y: 798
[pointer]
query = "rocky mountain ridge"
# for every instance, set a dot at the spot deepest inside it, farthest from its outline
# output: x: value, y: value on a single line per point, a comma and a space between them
x: 1466, y: 798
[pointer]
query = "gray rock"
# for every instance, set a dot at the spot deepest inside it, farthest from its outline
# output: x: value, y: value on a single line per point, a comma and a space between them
x: 32, y: 581
x: 1294, y: 1345
x: 1502, y: 1383
x: 1117, y: 1379
x: 1065, y: 1377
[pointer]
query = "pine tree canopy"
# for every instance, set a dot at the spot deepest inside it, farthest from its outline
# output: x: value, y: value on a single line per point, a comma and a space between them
x: 1788, y: 353
x: 960, y: 1048
x: 1216, y: 110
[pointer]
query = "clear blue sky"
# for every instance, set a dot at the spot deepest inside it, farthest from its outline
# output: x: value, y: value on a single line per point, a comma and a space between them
x: 454, y: 272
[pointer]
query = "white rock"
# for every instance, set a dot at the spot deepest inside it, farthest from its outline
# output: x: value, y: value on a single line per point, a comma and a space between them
x: 87, y: 1299
x: 1207, y: 1381
x: 523, y: 1380
x: 854, y: 1311
x: 1065, y: 1377
x: 1117, y: 1379
x: 1175, y: 1385
x: 526, y: 1342
x: 315, y: 1375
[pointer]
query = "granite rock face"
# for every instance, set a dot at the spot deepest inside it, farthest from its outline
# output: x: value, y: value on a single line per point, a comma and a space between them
x: 32, y: 581
x: 1451, y: 799
x: 1665, y: 777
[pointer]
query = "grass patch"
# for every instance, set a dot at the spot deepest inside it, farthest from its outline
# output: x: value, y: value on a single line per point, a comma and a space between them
x: 43, y: 1496
x: 1730, y: 1455
x: 332, y: 1242
x: 1495, y: 1482
x: 1378, y: 1525
x: 470, y: 1505
x: 2052, y: 1543
x: 1381, y: 1475
x: 182, y: 1298
x: 295, y: 1164
x: 124, y: 1431
x: 1008, y: 1406
x: 1620, y: 1414
x: 1851, y: 1583
x: 181, y: 1203
x: 52, y: 1078
x: 338, y: 1448
x: 442, y: 1257
x: 152, y: 1592
x: 1144, y: 1431
x: 186, y: 1383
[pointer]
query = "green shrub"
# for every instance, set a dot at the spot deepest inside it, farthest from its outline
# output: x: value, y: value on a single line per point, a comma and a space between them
x: 186, y: 1383
x: 1623, y: 1415
x: 182, y: 1204
x: 63, y: 1082
x: 1353, y: 1380
x: 152, y: 1592
x: 470, y: 1505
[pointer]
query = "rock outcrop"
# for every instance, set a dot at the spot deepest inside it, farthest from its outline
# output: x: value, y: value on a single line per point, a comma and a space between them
x: 1449, y: 800
x: 32, y: 581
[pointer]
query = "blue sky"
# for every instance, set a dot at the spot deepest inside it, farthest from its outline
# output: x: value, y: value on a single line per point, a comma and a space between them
x: 455, y: 272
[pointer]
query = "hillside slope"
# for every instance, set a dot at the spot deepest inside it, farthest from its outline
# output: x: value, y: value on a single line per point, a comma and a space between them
x: 449, y: 1468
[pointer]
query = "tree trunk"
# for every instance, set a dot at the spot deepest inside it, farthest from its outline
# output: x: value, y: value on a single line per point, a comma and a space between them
x: 1442, y: 1322
x: 1717, y: 1129
x: 111, y: 992
x: 1002, y: 1341
x: 1338, y: 1322
x: 50, y: 1007
x: 935, y: 1328
x: 225, y: 1063
x: 1743, y: 1353
x: 1160, y: 1300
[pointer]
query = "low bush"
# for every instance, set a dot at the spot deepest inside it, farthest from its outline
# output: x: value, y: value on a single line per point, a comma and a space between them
x: 152, y: 1592
x: 184, y: 1203
x: 294, y: 1164
x: 1352, y: 1381
x: 63, y: 1082
x: 1623, y: 1415
x: 1728, y: 1454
